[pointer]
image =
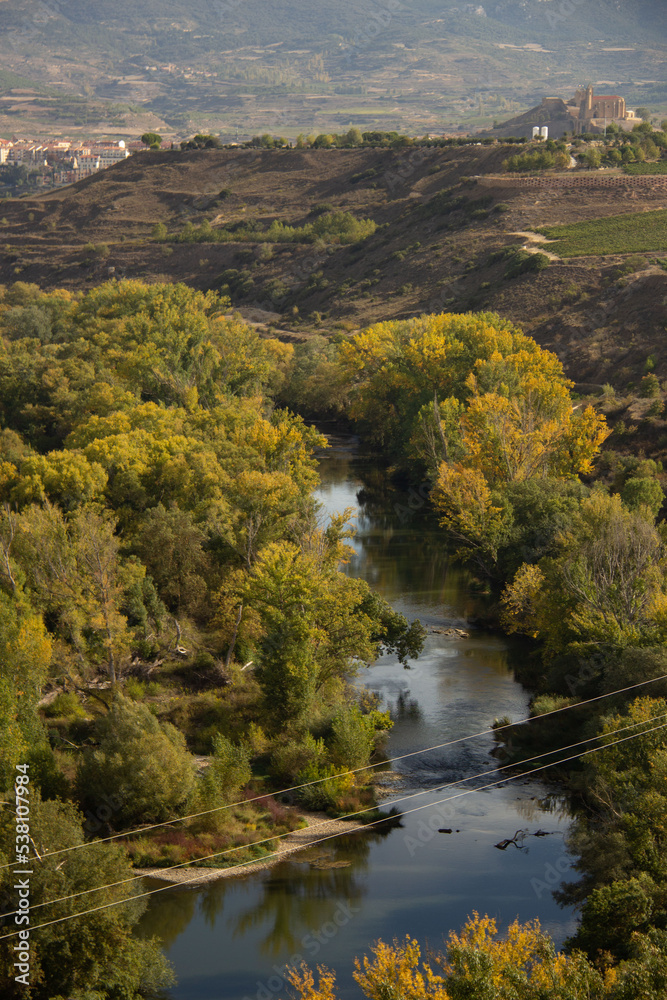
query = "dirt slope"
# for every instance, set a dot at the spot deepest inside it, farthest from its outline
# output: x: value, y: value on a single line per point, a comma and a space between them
x: 438, y: 232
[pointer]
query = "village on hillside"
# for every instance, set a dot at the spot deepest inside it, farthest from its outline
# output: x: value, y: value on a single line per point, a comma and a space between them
x: 58, y: 162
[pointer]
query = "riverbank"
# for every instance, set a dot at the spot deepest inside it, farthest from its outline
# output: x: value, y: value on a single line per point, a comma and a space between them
x: 320, y: 828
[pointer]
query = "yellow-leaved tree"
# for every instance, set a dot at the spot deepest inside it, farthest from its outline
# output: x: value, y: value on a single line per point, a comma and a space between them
x: 477, y: 964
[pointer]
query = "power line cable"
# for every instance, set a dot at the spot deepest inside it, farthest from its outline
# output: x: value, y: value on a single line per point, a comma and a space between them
x: 367, y: 767
x: 407, y: 812
x: 404, y: 798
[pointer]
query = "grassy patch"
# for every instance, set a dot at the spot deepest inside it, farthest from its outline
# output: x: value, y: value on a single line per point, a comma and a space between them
x: 640, y: 232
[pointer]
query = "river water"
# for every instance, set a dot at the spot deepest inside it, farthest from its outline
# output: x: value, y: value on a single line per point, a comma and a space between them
x: 231, y: 940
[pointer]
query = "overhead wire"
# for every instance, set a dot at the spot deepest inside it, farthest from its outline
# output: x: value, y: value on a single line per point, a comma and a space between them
x: 358, y: 770
x: 383, y: 819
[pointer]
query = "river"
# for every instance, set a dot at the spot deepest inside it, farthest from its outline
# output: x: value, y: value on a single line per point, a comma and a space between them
x: 230, y: 940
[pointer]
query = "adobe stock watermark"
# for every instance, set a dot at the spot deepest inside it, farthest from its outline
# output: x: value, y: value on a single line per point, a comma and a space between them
x: 399, y: 174
x: 427, y: 829
x: 376, y: 24
x: 556, y: 13
x: 41, y: 13
x: 292, y: 281
x: 22, y: 873
x: 311, y: 943
x: 416, y: 500
x: 552, y: 875
x: 98, y: 819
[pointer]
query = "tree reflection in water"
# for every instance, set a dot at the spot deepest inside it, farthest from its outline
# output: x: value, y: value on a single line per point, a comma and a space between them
x: 296, y: 897
x: 168, y: 913
x: 299, y: 896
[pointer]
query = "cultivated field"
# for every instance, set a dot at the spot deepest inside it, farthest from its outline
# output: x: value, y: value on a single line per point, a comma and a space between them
x: 639, y: 232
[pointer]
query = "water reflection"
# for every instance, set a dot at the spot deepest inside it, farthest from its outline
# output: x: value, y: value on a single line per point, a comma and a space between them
x: 229, y: 939
x: 289, y: 906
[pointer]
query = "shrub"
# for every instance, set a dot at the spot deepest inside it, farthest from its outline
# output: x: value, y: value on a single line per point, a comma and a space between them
x: 540, y: 159
x: 134, y: 689
x: 331, y: 785
x: 354, y: 734
x: 649, y: 386
x: 643, y: 492
x: 656, y: 409
x: 67, y: 706
x: 142, y: 762
x: 221, y: 783
x: 294, y: 756
x: 524, y: 262
x: 229, y: 769
x: 352, y: 738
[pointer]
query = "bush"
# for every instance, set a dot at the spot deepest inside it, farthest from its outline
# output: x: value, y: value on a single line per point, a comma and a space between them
x: 322, y: 208
x: 221, y: 783
x: 294, y: 756
x: 524, y: 262
x: 540, y: 159
x: 644, y: 492
x: 649, y: 386
x: 352, y: 738
x: 229, y: 769
x: 142, y: 762
x: 66, y: 706
x: 331, y: 785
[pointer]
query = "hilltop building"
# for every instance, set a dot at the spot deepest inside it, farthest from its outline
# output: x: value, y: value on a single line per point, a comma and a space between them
x: 585, y: 112
x: 590, y: 111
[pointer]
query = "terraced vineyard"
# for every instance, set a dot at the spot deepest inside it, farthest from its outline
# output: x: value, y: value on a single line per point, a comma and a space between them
x: 638, y: 232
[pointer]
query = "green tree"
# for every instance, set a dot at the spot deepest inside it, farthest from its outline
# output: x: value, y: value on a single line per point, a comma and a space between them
x: 99, y: 955
x: 318, y: 625
x: 143, y: 761
x: 172, y: 547
x: 643, y: 492
x: 605, y: 587
x: 228, y: 771
x: 354, y: 137
x: 593, y: 159
x: 202, y: 141
x: 352, y: 738
x: 152, y: 139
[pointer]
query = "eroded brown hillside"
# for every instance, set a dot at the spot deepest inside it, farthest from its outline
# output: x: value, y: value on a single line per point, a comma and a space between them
x: 437, y: 246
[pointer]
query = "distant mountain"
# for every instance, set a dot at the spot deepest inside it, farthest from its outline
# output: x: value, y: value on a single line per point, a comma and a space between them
x: 306, y: 64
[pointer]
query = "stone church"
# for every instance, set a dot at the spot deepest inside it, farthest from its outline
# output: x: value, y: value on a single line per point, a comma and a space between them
x: 590, y: 111
x: 585, y: 112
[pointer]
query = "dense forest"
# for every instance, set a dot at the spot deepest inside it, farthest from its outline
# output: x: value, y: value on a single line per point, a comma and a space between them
x: 179, y: 635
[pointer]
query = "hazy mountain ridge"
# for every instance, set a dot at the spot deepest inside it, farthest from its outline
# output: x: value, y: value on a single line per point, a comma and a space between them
x: 188, y: 66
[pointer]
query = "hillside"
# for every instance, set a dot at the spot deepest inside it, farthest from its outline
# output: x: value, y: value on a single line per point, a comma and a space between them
x: 244, y: 66
x: 442, y: 242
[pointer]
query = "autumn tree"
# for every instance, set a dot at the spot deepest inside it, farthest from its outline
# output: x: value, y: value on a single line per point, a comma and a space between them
x: 317, y: 625
x: 25, y: 656
x: 605, y: 586
x: 477, y: 962
x: 75, y: 572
